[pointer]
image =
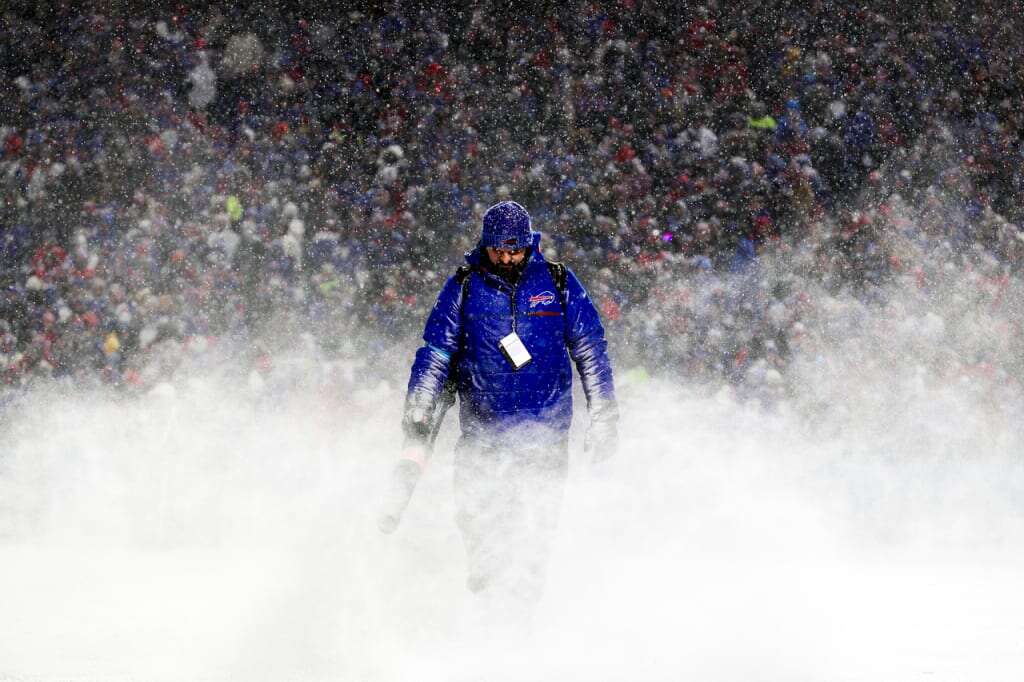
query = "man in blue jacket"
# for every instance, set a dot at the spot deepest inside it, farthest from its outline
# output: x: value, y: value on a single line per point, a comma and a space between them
x: 502, y: 333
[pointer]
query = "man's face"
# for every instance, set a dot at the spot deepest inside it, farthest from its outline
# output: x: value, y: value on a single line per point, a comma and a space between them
x: 506, y: 259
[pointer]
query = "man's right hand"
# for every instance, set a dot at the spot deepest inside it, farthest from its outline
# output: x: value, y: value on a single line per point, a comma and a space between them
x: 602, y: 437
x: 601, y: 442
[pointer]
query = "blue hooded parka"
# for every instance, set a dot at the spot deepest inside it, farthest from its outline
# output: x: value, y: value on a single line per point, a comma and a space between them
x: 496, y: 400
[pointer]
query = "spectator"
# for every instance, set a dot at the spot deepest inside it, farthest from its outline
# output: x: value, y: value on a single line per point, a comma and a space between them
x: 169, y: 176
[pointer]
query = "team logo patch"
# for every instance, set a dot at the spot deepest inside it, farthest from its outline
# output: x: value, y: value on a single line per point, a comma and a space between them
x: 543, y: 298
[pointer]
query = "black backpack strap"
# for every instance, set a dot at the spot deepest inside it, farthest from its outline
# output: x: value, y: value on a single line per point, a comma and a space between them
x: 559, y: 274
x: 462, y: 274
x: 462, y: 277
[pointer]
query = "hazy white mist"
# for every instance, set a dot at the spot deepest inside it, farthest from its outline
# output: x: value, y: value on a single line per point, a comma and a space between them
x: 868, y: 527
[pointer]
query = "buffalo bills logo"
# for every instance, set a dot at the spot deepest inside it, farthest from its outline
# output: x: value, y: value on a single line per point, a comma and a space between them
x: 543, y: 298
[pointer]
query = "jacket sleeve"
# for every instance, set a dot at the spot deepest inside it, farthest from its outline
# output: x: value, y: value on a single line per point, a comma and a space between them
x: 589, y: 351
x: 441, y: 342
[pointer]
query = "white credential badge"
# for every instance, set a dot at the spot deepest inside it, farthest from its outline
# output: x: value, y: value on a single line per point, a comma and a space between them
x: 514, y: 350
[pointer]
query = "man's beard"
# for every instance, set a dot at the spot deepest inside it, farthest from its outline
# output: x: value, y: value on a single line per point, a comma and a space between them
x: 510, y: 271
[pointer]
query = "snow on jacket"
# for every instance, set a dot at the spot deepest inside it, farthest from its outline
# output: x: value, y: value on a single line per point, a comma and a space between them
x: 462, y: 335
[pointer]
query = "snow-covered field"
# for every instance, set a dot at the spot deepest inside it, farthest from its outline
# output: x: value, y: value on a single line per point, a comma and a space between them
x: 197, y: 535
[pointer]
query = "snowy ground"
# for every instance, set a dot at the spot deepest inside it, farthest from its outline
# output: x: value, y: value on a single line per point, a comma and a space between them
x: 195, y: 536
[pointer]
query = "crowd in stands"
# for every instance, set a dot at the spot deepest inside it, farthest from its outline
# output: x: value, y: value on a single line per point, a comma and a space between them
x: 189, y: 176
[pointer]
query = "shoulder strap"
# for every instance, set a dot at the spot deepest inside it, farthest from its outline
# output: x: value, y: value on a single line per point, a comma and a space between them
x: 558, y: 275
x: 462, y: 277
x: 462, y: 274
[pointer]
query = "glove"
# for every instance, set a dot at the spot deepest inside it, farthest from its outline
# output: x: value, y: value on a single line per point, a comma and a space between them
x: 416, y: 422
x: 601, y: 442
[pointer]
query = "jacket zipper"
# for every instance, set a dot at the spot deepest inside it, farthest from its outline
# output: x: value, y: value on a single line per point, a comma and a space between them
x: 514, y: 286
